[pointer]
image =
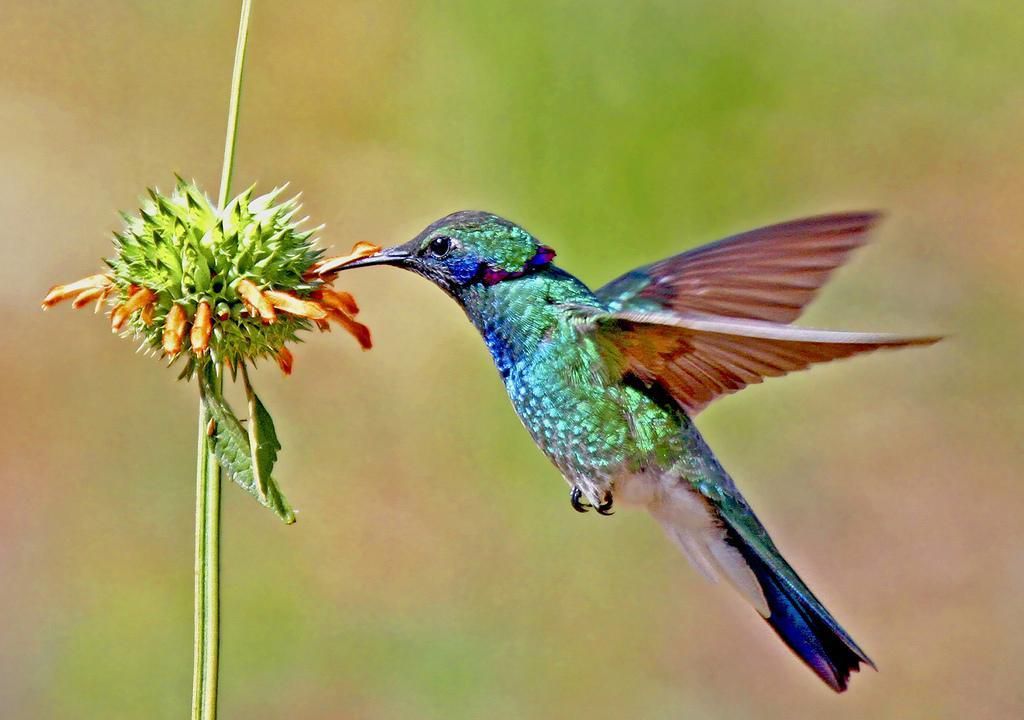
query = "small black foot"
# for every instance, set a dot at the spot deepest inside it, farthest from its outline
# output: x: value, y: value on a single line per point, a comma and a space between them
x: 581, y: 506
x: 576, y: 500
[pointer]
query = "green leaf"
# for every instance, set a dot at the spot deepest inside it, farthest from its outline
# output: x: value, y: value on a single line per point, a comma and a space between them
x: 232, y: 447
x: 263, y: 442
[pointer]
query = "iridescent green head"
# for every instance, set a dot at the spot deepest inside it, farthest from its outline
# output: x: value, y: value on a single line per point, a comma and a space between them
x: 466, y: 249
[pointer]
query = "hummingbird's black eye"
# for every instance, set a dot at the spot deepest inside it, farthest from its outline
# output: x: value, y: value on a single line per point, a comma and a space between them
x: 440, y: 246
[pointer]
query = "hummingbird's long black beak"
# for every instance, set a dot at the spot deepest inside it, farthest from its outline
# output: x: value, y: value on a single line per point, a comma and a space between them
x: 397, y: 255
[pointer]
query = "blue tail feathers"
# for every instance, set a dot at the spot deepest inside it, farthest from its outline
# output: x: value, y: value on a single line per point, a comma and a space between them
x: 802, y: 621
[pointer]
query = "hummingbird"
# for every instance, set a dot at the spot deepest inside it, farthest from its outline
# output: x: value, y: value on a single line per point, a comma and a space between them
x: 607, y: 382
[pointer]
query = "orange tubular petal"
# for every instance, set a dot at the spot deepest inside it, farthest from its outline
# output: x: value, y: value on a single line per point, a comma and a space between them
x: 174, y: 330
x: 348, y: 303
x: 87, y: 296
x: 252, y: 295
x: 63, y: 292
x: 284, y: 360
x: 201, y: 328
x: 359, y: 251
x: 323, y: 325
x: 339, y: 300
x: 295, y: 306
x: 117, y: 318
x: 139, y: 300
x: 102, y: 298
x: 359, y: 331
x: 147, y: 314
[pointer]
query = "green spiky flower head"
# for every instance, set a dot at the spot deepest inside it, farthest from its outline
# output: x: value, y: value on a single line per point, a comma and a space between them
x: 234, y: 285
x: 222, y: 287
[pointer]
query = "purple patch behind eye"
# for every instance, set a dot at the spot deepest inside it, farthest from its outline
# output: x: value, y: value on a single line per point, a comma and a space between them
x: 543, y: 256
x: 493, y: 276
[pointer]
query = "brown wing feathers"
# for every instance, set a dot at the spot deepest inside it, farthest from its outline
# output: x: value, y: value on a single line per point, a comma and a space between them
x: 766, y: 274
x: 700, y: 358
x: 725, y: 306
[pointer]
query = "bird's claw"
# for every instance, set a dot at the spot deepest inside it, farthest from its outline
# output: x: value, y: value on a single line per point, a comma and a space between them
x: 576, y: 500
x: 581, y: 506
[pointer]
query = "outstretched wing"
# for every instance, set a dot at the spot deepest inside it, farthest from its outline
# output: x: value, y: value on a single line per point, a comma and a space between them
x: 767, y: 274
x: 699, y: 358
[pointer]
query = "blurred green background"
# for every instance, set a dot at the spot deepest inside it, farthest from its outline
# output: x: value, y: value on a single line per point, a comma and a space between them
x: 437, y: 570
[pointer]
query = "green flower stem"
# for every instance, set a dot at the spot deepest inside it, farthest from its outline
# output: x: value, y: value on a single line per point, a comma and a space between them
x: 236, y: 96
x: 206, y: 651
x: 207, y: 581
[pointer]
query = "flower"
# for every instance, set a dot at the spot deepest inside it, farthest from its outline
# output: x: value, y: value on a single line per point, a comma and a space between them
x: 235, y: 285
